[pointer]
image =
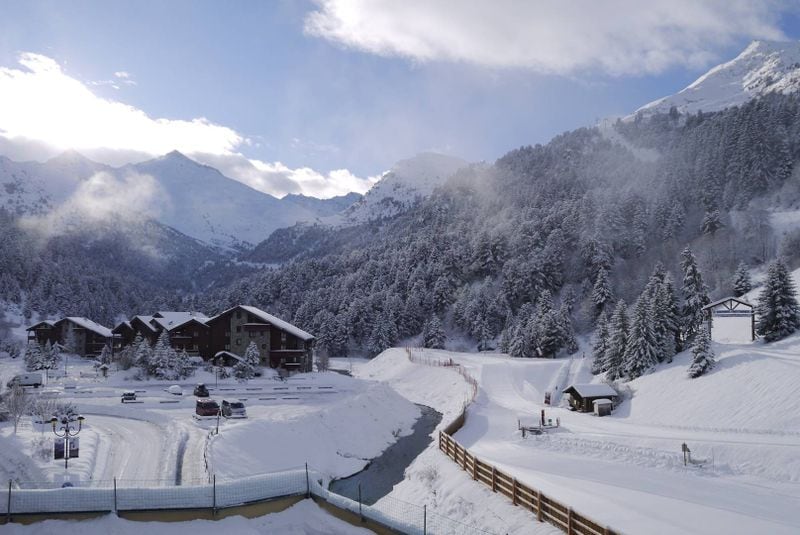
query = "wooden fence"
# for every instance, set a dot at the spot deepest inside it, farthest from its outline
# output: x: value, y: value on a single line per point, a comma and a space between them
x: 545, y: 508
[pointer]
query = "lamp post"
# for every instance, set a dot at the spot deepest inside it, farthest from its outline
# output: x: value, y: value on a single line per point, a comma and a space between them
x: 219, y: 412
x: 67, y: 431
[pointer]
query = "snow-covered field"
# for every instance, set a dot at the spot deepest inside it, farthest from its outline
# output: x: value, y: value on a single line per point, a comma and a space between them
x: 741, y: 421
x: 334, y: 423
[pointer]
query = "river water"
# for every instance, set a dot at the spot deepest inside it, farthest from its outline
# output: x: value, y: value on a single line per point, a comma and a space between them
x: 385, y: 471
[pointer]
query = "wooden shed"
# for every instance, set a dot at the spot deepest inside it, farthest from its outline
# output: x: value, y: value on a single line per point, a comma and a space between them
x: 582, y: 396
x: 603, y: 406
x: 731, y: 319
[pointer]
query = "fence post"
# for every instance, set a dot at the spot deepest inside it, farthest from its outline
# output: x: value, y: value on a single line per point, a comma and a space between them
x: 474, y: 468
x: 494, y: 479
x: 514, y: 491
x: 360, y: 515
x: 424, y: 520
x: 569, y: 521
x: 8, y: 511
x: 539, y: 505
x: 115, y: 494
x: 214, y: 495
x: 308, y: 486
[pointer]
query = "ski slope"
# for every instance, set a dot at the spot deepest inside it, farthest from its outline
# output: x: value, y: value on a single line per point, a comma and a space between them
x: 626, y: 470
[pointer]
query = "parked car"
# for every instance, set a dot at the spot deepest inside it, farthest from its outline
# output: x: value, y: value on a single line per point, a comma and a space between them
x: 175, y: 390
x: 26, y: 379
x: 233, y: 409
x: 128, y: 395
x: 201, y: 391
x: 206, y: 407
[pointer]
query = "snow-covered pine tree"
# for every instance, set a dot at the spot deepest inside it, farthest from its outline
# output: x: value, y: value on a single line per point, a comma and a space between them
x: 162, y: 359
x: 601, y: 293
x: 383, y: 335
x: 434, y: 334
x: 641, y: 352
x: 70, y: 342
x: 34, y: 359
x: 243, y: 371
x: 695, y: 295
x: 703, y: 355
x: 143, y: 356
x: 617, y: 341
x: 741, y: 283
x: 568, y: 340
x: 777, y: 309
x: 51, y: 355
x: 601, y: 340
x: 712, y: 222
x: 252, y: 355
x: 549, y: 334
x: 105, y: 355
x: 183, y: 365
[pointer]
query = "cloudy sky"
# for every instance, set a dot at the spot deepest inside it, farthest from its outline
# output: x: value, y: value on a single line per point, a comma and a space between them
x: 320, y: 97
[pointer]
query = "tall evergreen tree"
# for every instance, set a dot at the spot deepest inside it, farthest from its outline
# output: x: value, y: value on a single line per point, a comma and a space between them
x: 703, y: 355
x: 741, y: 283
x: 777, y: 310
x: 641, y: 351
x: 695, y: 295
x: 434, y: 337
x: 712, y: 222
x: 34, y: 358
x: 617, y: 341
x: 601, y: 293
x: 601, y: 341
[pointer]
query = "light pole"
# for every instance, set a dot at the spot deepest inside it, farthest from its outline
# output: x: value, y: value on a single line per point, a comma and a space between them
x: 219, y: 411
x: 67, y: 432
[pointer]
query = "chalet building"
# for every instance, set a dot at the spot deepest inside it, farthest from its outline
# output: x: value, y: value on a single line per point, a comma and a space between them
x: 583, y: 396
x: 43, y: 332
x: 731, y: 320
x: 280, y: 344
x: 187, y: 331
x: 122, y: 335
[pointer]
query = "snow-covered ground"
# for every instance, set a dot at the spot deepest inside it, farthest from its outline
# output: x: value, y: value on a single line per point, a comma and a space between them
x: 304, y: 518
x: 334, y: 423
x: 742, y: 421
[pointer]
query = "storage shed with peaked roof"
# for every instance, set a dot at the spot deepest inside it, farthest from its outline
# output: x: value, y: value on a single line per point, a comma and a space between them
x: 582, y: 396
x: 731, y: 320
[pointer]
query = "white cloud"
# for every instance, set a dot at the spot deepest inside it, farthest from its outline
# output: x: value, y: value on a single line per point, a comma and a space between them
x: 617, y: 37
x: 43, y: 110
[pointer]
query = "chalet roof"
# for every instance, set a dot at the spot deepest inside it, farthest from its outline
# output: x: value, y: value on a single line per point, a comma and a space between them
x: 122, y: 324
x: 171, y: 319
x: 602, y: 401
x: 269, y: 318
x: 146, y: 320
x: 724, y: 299
x: 89, y: 325
x: 228, y: 354
x: 592, y: 390
x: 46, y: 323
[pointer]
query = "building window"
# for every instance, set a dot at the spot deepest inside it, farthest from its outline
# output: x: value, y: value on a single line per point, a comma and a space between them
x: 227, y: 346
x: 263, y: 346
x: 238, y: 341
x: 252, y: 334
x: 238, y: 328
x: 283, y: 337
x: 238, y: 314
x: 227, y: 333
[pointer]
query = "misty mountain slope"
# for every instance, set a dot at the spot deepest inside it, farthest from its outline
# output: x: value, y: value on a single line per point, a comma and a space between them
x: 481, y: 250
x: 763, y: 67
x: 323, y: 207
x: 203, y: 203
x: 407, y: 182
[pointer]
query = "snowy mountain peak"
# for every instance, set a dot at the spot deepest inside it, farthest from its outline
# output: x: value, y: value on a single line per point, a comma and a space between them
x: 763, y: 67
x: 408, y: 180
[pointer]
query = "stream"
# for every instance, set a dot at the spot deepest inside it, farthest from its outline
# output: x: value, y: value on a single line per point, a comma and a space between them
x: 386, y: 470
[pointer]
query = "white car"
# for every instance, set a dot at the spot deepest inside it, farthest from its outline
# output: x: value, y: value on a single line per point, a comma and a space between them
x: 175, y: 390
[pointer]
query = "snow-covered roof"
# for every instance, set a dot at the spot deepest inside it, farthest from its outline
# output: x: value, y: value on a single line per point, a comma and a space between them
x: 123, y: 324
x: 47, y: 323
x: 725, y: 299
x: 90, y: 325
x: 228, y: 354
x: 146, y: 320
x: 171, y: 319
x: 592, y: 390
x: 269, y: 318
x: 602, y: 401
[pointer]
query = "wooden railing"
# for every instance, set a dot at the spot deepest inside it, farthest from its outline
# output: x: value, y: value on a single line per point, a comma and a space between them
x: 545, y: 508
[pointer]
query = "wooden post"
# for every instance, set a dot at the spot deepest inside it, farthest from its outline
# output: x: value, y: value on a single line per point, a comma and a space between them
x: 424, y: 520
x: 115, y: 494
x: 214, y: 495
x: 539, y: 505
x: 514, y: 491
x: 474, y: 468
x: 308, y: 486
x: 8, y: 510
x: 569, y: 521
x: 494, y: 479
x: 359, y: 503
x: 464, y: 457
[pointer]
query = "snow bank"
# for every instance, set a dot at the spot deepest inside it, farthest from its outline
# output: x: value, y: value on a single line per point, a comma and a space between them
x: 338, y: 440
x: 304, y: 518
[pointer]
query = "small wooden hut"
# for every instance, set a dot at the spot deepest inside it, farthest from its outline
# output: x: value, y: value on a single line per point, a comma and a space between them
x: 582, y: 396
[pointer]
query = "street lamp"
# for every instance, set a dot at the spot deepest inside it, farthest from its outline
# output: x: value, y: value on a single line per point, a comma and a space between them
x: 67, y: 432
x: 219, y: 412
